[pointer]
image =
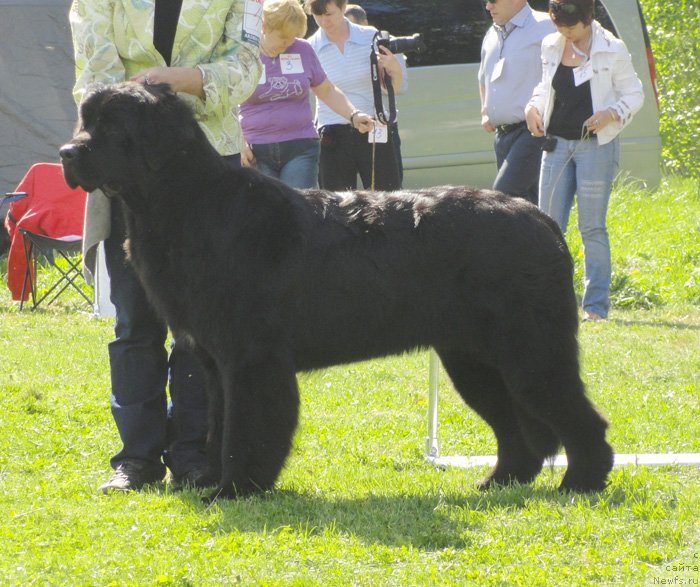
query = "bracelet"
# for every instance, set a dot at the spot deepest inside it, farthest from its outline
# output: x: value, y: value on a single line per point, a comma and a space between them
x: 352, y: 117
x: 614, y: 114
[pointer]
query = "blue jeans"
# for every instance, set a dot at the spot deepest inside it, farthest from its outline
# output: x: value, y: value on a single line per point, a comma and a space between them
x: 518, y: 156
x: 293, y: 162
x: 140, y: 368
x: 587, y: 170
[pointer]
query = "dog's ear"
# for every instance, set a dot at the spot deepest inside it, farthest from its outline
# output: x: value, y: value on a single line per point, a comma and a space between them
x: 168, y: 126
x: 89, y: 104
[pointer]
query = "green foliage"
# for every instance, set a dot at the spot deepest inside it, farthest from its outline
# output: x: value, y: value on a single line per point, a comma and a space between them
x: 674, y: 30
x: 655, y: 242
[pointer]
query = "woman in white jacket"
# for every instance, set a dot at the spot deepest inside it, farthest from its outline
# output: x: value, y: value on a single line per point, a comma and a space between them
x: 588, y: 94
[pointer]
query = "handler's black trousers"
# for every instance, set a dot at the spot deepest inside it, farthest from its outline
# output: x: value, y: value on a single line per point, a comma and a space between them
x: 140, y: 368
x: 345, y: 152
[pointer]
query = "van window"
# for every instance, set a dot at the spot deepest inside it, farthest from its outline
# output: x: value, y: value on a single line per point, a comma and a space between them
x: 452, y: 29
x: 601, y: 14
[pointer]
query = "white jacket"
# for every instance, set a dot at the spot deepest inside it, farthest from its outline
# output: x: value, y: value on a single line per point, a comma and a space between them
x: 614, y: 83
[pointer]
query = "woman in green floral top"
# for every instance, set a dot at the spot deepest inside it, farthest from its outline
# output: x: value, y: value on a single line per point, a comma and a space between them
x: 207, y: 50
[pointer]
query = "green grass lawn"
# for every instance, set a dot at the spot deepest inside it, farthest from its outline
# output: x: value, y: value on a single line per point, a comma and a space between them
x: 357, y: 504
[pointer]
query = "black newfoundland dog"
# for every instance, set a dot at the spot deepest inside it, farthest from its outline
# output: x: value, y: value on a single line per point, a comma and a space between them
x: 265, y: 281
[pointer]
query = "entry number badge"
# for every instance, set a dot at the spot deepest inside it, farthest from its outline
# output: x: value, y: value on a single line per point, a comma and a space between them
x: 291, y: 63
x: 583, y: 73
x: 380, y: 134
x: 498, y: 69
x: 252, y: 21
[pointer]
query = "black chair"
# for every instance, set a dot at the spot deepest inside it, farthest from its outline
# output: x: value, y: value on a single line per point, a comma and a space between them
x: 5, y: 202
x: 45, y: 225
x: 51, y: 249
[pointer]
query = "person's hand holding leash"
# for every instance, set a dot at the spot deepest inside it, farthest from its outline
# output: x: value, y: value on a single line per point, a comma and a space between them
x: 600, y: 120
x: 361, y: 122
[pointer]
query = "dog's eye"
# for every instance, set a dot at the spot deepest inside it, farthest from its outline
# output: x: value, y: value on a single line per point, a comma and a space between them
x: 109, y: 128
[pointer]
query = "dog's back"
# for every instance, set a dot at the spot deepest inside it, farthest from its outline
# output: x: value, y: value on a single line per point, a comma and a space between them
x: 394, y: 270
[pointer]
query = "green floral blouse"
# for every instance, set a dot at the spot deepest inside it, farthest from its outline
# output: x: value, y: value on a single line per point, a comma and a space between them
x: 113, y: 40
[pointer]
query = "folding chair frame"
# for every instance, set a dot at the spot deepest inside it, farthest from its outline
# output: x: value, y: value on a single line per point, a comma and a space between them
x: 48, y: 246
x: 10, y: 197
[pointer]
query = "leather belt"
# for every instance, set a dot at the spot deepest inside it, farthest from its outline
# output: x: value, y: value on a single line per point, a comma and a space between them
x: 504, y: 129
x: 334, y: 129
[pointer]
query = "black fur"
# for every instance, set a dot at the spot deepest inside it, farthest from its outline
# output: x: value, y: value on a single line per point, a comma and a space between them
x: 266, y: 281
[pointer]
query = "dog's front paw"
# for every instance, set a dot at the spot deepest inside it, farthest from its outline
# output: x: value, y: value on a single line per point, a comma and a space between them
x: 233, y: 491
x: 196, y: 478
x: 222, y: 492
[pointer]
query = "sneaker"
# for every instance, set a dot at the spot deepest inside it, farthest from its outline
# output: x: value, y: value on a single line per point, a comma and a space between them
x: 591, y: 317
x: 131, y: 475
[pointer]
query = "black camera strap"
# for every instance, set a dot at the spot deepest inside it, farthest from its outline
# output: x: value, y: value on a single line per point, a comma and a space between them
x: 377, y: 90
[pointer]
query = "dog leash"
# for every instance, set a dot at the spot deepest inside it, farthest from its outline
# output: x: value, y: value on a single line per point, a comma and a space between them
x: 374, y: 153
x: 585, y: 135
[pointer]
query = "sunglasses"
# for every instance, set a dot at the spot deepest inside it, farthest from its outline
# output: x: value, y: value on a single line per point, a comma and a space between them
x: 557, y: 7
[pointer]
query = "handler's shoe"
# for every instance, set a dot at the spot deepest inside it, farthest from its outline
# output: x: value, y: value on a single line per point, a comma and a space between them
x: 591, y: 317
x: 132, y: 475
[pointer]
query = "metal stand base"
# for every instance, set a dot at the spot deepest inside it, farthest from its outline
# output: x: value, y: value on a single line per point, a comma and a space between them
x: 560, y: 460
x: 432, y: 449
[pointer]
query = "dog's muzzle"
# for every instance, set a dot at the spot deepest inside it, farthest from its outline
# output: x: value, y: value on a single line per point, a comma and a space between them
x: 68, y: 151
x: 68, y: 154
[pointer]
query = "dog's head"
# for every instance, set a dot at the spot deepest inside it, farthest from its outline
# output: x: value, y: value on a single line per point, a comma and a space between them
x: 126, y: 133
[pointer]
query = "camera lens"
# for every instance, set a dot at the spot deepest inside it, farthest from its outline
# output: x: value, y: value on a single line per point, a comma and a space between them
x: 412, y: 44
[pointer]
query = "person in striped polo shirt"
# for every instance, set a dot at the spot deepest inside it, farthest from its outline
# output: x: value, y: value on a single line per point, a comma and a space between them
x: 344, y: 48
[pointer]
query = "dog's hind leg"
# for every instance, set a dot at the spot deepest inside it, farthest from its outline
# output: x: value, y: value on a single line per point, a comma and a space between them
x: 261, y: 408
x: 483, y: 389
x: 556, y: 395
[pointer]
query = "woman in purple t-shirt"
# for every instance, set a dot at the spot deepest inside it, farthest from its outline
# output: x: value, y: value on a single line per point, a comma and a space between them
x: 277, y: 119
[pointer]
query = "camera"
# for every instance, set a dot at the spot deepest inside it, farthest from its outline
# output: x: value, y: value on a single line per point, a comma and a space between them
x: 412, y: 44
x: 396, y: 45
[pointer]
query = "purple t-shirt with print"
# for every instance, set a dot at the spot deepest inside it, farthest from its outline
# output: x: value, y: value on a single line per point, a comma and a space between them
x: 279, y: 109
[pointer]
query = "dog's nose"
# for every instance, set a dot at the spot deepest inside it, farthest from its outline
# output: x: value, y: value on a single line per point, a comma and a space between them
x: 68, y: 151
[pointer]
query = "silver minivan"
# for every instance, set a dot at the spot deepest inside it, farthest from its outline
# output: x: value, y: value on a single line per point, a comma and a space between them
x: 439, y: 115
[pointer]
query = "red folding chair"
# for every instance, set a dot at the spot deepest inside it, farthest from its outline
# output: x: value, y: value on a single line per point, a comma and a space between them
x: 47, y: 223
